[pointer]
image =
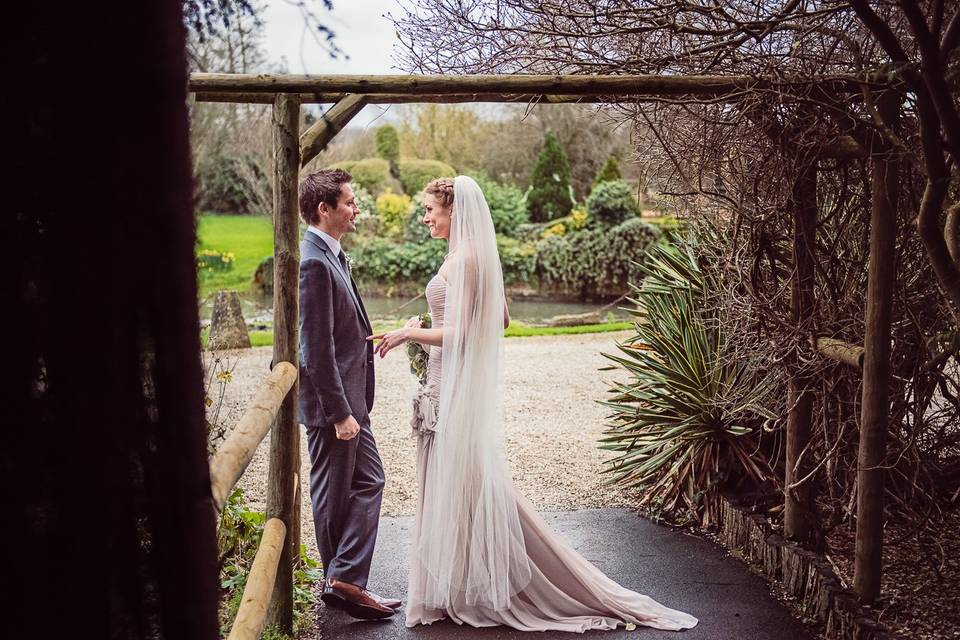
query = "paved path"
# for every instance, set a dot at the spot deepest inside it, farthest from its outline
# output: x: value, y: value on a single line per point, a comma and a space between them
x: 679, y: 570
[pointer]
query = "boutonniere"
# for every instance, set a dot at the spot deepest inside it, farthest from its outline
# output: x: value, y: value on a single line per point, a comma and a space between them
x: 349, y: 261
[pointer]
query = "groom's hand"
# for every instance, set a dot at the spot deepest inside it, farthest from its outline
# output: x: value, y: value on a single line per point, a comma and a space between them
x: 347, y: 428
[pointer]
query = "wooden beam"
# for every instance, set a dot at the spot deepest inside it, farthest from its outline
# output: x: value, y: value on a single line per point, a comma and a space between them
x: 662, y: 85
x: 851, y: 354
x: 317, y: 137
x: 407, y: 98
x: 233, y: 456
x: 285, y: 438
x: 263, y: 574
x: 874, y: 405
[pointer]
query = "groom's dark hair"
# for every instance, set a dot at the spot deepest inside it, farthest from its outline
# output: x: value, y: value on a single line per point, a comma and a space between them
x: 322, y: 186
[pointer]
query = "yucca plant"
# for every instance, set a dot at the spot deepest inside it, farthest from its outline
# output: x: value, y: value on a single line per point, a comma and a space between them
x: 687, y: 414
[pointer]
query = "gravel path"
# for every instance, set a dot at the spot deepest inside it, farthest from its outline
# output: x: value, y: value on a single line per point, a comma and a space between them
x: 552, y: 424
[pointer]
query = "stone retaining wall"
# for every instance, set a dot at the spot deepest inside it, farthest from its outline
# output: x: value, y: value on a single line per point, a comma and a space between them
x: 802, y: 573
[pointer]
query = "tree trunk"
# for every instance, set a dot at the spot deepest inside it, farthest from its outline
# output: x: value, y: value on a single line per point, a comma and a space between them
x: 799, y: 514
x: 285, y: 438
x: 874, y: 411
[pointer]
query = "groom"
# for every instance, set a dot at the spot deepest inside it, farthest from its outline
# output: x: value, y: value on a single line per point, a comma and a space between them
x: 336, y: 396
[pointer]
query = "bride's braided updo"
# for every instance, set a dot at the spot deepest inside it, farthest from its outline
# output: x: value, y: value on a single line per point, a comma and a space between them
x: 442, y: 190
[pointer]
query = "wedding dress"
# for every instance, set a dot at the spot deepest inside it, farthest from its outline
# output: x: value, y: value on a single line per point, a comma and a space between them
x: 481, y: 554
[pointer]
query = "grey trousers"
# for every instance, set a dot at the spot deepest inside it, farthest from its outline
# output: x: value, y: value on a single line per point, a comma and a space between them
x: 346, y: 489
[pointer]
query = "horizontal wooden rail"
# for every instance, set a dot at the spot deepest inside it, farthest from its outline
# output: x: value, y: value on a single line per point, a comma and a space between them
x: 663, y: 85
x: 235, y: 454
x: 841, y: 351
x: 256, y: 594
x: 405, y: 98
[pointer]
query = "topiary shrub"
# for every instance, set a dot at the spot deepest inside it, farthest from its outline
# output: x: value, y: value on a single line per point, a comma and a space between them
x: 415, y: 174
x: 550, y: 193
x: 388, y: 144
x: 611, y: 203
x: 596, y: 262
x: 373, y: 174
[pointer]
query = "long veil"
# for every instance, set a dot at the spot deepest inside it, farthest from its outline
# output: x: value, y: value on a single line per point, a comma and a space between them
x: 471, y: 543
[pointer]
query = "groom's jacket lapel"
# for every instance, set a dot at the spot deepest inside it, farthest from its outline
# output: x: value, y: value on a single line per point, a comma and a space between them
x: 334, y: 261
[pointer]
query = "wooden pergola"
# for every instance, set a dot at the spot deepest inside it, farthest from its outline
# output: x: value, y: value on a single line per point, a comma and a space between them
x: 350, y: 94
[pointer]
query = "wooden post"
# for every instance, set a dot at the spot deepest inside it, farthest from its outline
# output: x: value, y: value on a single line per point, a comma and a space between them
x: 285, y: 438
x: 799, y: 514
x: 874, y: 411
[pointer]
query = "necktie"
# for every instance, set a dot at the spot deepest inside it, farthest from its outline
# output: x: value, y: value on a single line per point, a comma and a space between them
x: 343, y: 263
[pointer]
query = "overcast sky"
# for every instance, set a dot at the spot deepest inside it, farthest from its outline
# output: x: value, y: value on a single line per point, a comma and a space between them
x: 361, y: 32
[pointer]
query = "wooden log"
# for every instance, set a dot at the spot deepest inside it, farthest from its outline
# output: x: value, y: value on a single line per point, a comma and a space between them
x: 316, y: 138
x: 405, y: 98
x: 842, y: 149
x: 575, y: 319
x: 256, y: 594
x: 800, y: 518
x: 851, y: 354
x: 285, y: 439
x: 874, y: 412
x: 233, y: 456
x: 662, y: 85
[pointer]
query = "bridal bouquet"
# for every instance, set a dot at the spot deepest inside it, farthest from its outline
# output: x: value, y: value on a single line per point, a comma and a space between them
x: 418, y: 354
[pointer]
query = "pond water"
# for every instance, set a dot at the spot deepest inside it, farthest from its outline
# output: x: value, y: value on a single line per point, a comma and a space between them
x: 257, y: 309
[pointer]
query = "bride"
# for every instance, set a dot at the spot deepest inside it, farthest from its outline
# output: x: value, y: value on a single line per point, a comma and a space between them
x: 481, y: 554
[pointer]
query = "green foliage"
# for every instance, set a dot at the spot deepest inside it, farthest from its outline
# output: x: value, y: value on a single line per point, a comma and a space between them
x: 595, y: 261
x: 608, y: 172
x: 415, y: 174
x: 550, y: 195
x: 365, y: 202
x: 238, y: 538
x: 518, y: 259
x: 211, y: 261
x: 508, y: 208
x: 414, y: 229
x: 380, y: 260
x: 393, y: 212
x: 611, y: 203
x: 418, y: 354
x: 388, y: 144
x: 248, y: 238
x: 685, y: 418
x: 373, y: 174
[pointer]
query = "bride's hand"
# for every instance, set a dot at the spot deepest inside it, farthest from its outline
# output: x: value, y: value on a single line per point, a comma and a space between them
x: 389, y: 340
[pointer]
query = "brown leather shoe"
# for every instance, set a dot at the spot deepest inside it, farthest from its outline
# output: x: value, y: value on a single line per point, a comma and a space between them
x: 357, y: 602
x: 393, y: 603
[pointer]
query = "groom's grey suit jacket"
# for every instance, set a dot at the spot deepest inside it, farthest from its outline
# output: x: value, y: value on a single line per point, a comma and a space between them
x: 336, y: 359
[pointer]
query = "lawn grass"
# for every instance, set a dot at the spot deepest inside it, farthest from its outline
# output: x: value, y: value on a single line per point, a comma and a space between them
x: 249, y: 238
x: 515, y: 330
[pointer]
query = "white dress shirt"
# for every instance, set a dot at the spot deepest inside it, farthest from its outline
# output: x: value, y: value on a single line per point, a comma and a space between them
x: 332, y: 242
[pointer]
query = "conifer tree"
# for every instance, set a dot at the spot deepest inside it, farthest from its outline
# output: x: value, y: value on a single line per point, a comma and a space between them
x: 549, y: 196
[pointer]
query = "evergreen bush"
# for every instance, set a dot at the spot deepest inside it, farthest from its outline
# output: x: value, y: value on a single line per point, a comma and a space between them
x: 550, y: 195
